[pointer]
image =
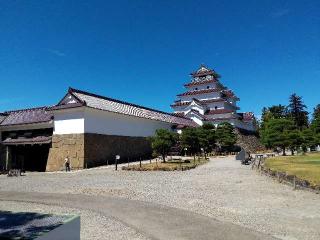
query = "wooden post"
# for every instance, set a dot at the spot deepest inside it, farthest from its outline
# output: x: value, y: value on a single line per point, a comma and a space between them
x: 294, y: 182
x: 8, y: 158
x: 140, y: 162
x: 180, y: 162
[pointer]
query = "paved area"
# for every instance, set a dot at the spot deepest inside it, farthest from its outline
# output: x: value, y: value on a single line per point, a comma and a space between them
x: 222, y: 190
x: 154, y: 221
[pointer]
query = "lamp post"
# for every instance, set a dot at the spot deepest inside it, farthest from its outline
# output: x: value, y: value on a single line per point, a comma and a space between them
x: 185, y: 151
x: 117, y: 158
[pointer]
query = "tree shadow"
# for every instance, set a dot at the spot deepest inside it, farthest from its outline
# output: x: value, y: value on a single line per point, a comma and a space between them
x: 25, y: 225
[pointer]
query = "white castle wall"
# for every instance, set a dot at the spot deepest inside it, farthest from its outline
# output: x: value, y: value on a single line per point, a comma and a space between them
x: 202, y: 86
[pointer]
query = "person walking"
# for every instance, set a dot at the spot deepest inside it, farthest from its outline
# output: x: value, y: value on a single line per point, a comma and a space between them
x: 67, y: 164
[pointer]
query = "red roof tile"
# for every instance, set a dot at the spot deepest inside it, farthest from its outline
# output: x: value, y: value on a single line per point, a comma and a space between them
x: 196, y: 83
x: 219, y: 119
x: 195, y: 92
x: 219, y: 111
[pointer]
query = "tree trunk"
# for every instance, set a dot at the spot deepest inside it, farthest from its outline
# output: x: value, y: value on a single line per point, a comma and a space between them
x: 194, y: 159
x: 164, y: 158
x: 292, y: 152
x: 283, y: 151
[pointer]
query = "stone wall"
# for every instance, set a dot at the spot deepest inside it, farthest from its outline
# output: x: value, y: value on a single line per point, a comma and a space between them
x: 71, y: 145
x: 90, y: 150
x: 102, y: 149
x: 249, y: 141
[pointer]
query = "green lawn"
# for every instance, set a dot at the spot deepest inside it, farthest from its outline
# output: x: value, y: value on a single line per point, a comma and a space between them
x: 167, y: 166
x: 303, y: 166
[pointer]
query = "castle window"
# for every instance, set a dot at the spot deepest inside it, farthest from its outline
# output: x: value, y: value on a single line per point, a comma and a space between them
x: 215, y: 107
x: 208, y: 87
x: 196, y: 88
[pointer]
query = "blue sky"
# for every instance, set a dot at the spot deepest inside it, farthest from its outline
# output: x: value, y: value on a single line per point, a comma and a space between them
x: 143, y: 51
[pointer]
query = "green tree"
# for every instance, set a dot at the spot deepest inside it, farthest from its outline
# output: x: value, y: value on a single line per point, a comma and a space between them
x: 297, y: 111
x: 225, y: 135
x: 278, y: 111
x: 295, y: 140
x: 315, y: 124
x: 309, y: 139
x: 206, y: 134
x: 316, y: 112
x: 276, y: 133
x: 163, y: 141
x: 190, y: 140
x: 273, y: 112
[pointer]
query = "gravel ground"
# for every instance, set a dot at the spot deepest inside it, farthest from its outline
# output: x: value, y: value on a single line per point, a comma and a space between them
x: 93, y: 226
x: 222, y: 189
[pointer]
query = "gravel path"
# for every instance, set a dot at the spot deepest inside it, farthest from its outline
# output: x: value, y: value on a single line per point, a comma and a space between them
x: 222, y: 189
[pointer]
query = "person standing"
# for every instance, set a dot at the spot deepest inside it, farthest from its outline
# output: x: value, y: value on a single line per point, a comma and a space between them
x: 67, y: 164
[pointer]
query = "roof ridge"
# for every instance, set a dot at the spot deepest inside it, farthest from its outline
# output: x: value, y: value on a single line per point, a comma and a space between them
x: 116, y: 100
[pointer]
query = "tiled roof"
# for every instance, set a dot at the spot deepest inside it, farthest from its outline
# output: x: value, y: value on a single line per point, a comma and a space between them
x: 196, y: 83
x: 230, y: 93
x: 219, y: 111
x: 179, y: 114
x: 27, y: 116
x: 195, y: 92
x: 24, y: 140
x: 112, y: 105
x: 219, y: 119
x: 2, y: 117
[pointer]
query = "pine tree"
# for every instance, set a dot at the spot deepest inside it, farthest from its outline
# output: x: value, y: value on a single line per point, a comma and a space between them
x: 297, y: 111
x: 316, y: 112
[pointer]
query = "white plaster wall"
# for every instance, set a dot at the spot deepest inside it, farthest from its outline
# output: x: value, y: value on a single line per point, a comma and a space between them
x: 69, y: 121
x: 197, y: 120
x: 195, y: 107
x: 202, y: 86
x: 109, y: 123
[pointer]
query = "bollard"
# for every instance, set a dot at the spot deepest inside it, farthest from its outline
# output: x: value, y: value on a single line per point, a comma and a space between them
x: 140, y: 162
x: 116, y: 164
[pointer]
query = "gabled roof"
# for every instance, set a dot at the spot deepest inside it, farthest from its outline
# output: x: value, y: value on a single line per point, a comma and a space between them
x: 203, y: 71
x: 194, y: 111
x: 95, y: 101
x: 26, y: 116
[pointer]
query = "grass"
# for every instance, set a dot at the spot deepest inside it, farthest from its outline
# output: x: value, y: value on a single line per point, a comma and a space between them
x: 170, y: 165
x: 305, y: 167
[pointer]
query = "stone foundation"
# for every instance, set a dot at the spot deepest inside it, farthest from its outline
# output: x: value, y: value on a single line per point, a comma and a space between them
x: 249, y: 141
x: 71, y: 145
x: 91, y: 150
